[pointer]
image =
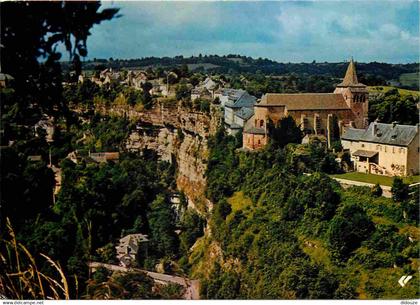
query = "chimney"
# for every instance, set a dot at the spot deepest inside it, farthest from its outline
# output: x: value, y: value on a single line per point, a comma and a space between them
x: 394, y: 124
x: 374, y: 129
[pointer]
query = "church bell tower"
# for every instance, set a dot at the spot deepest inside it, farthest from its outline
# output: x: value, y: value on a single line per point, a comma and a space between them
x: 355, y: 94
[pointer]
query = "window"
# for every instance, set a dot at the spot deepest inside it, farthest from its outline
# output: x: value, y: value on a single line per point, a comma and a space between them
x: 261, y: 123
x: 259, y: 142
x: 378, y: 147
x: 363, y: 145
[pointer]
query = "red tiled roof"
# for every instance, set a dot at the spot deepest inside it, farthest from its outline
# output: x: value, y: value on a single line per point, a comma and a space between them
x: 305, y: 101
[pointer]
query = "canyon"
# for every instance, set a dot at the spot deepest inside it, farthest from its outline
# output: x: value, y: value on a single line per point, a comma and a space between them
x: 178, y: 135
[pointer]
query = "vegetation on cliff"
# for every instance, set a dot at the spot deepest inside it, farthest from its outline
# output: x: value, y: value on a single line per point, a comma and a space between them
x: 289, y: 235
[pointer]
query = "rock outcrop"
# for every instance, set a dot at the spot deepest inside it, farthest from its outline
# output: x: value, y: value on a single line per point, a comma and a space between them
x: 178, y: 135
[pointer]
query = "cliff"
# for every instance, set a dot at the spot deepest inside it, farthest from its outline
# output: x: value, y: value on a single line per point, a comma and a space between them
x: 178, y: 135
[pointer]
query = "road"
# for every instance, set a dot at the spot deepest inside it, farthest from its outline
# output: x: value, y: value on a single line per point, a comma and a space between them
x: 192, y: 287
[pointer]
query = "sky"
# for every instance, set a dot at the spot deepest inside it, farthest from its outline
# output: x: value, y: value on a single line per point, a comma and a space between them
x: 285, y: 31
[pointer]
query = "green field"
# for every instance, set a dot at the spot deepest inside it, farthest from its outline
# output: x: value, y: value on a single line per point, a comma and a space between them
x: 409, y: 79
x: 383, y: 89
x: 370, y: 178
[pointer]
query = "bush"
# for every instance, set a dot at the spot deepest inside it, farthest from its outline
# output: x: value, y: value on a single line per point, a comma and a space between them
x: 347, y: 230
x: 376, y: 190
x: 399, y: 190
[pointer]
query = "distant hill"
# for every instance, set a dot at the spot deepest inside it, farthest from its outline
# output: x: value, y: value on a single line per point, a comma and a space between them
x: 373, y: 73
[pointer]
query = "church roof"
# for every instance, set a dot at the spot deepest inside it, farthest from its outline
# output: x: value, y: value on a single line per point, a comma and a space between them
x: 350, y: 79
x: 305, y: 101
x: 245, y: 113
x: 391, y: 134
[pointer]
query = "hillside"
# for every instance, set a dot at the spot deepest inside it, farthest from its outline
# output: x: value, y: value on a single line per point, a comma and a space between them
x: 276, y: 233
x: 370, y: 73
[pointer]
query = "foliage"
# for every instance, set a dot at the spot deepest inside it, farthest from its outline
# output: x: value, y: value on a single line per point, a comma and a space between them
x: 284, y: 133
x: 163, y: 238
x: 265, y: 248
x: 376, y: 190
x: 349, y: 227
x: 399, y: 190
x: 192, y: 226
x: 30, y: 33
x: 20, y: 276
x: 393, y: 107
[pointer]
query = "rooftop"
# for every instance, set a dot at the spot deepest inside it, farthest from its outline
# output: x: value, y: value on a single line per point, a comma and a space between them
x: 391, y: 134
x: 350, y: 79
x: 303, y: 101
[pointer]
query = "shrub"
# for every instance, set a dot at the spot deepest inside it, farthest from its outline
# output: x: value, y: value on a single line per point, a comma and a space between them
x: 376, y: 190
x: 399, y: 190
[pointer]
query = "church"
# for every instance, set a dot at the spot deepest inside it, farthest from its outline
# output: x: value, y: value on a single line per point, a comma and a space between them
x: 313, y: 112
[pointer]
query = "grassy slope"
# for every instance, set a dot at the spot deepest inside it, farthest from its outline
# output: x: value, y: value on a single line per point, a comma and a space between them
x: 383, y: 89
x: 408, y: 79
x: 371, y: 283
x: 370, y: 178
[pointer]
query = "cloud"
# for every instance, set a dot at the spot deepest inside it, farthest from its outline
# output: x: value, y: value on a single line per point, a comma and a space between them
x: 284, y: 31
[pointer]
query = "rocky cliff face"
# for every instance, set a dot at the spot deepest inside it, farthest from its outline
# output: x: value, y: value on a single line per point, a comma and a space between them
x: 178, y: 135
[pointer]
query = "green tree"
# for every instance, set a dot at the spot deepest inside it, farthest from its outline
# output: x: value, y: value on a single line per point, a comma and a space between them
x: 347, y: 230
x: 182, y: 92
x: 376, y: 190
x: 192, y: 228
x: 286, y: 132
x: 30, y: 33
x: 162, y: 227
x: 399, y: 190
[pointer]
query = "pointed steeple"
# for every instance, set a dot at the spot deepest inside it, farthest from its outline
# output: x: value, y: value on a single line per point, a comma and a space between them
x: 351, y: 77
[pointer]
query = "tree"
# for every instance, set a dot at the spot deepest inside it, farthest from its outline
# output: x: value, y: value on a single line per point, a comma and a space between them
x: 286, y: 132
x: 392, y: 106
x: 376, y: 190
x: 192, y: 228
x: 162, y: 227
x: 399, y: 190
x: 347, y: 230
x: 182, y: 91
x: 147, y: 98
x: 30, y: 33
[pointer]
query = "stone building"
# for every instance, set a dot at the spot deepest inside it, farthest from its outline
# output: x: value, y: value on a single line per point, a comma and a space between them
x: 129, y: 249
x: 238, y: 110
x: 313, y: 112
x: 384, y: 149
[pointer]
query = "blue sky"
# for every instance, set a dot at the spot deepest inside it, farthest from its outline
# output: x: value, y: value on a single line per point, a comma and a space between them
x: 286, y: 31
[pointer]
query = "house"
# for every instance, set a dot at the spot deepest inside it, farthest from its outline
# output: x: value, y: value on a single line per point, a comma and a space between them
x: 210, y: 85
x: 383, y: 149
x: 201, y: 93
x: 238, y: 110
x: 101, y: 157
x: 315, y: 113
x: 34, y: 158
x: 205, y: 90
x: 226, y: 95
x: 130, y: 247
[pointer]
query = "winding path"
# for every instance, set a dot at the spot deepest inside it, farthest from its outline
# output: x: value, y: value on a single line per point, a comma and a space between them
x: 192, y: 287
